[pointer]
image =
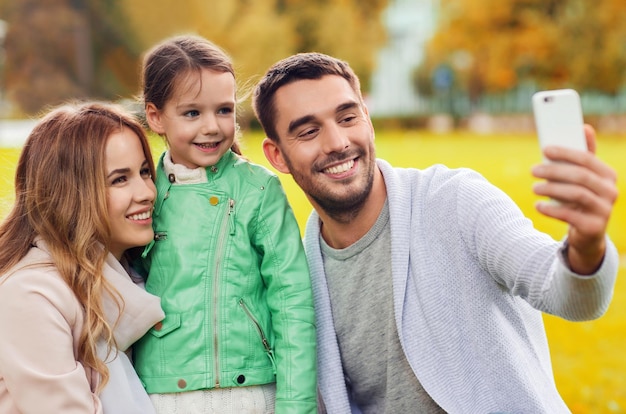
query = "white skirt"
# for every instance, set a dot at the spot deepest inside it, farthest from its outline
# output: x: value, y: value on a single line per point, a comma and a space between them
x: 258, y: 399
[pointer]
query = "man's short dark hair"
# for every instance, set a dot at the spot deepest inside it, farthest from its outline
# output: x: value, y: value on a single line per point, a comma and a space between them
x: 294, y: 68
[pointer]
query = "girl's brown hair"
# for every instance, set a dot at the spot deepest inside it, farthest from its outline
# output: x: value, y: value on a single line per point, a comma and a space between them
x: 168, y: 63
x: 61, y: 198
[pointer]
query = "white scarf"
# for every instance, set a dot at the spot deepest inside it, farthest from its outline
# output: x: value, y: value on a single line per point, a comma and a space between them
x: 124, y: 393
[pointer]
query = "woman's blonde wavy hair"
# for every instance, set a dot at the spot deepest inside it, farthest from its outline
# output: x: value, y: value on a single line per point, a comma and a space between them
x: 61, y: 197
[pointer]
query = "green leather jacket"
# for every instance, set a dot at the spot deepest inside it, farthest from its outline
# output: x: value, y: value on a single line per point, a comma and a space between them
x: 228, y: 263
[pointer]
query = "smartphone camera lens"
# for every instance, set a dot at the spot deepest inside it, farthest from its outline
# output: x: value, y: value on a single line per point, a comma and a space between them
x: 547, y: 99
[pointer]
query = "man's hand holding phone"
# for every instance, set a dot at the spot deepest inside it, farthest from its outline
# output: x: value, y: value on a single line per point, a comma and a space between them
x: 583, y: 185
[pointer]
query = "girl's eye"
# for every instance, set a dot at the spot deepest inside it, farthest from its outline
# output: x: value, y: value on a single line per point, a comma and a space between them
x: 225, y: 111
x: 192, y: 113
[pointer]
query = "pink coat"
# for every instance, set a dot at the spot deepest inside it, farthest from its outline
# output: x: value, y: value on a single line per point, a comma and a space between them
x: 40, y: 323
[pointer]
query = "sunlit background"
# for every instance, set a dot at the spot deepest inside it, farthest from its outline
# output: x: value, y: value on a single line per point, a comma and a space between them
x: 445, y: 81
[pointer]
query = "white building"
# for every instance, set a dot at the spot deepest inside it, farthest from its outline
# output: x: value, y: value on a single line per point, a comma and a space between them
x: 410, y: 24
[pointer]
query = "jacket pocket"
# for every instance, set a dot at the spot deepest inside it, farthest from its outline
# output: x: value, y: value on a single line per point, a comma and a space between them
x: 167, y: 325
x: 257, y: 326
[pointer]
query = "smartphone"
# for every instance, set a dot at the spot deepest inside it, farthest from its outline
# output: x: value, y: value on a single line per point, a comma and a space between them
x: 559, y: 119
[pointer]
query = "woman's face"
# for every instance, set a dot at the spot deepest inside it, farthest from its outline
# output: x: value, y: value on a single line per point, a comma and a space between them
x: 130, y: 192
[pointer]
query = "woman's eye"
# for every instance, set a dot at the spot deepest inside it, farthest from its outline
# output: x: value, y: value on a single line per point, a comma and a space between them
x: 119, y: 180
x: 145, y: 172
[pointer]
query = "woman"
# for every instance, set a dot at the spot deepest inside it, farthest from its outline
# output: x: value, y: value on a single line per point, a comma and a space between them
x: 69, y: 310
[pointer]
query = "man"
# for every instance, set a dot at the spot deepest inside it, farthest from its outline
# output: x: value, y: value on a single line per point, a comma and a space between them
x: 429, y: 284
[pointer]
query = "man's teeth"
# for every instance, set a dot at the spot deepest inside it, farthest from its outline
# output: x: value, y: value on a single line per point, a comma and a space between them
x: 341, y: 168
x: 143, y: 216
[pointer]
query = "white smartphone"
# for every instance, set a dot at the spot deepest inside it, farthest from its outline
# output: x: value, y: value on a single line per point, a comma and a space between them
x: 559, y: 119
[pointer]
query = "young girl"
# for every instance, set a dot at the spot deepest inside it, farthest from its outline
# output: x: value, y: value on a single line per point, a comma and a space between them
x: 68, y: 307
x: 227, y: 259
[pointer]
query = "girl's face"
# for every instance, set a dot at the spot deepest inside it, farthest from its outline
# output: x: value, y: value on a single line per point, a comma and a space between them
x: 130, y: 192
x: 199, y: 119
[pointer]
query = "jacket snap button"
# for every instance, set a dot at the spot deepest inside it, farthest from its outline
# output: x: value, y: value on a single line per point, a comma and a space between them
x: 214, y: 200
x: 171, y: 178
x: 158, y: 326
x: 182, y: 383
x: 241, y: 379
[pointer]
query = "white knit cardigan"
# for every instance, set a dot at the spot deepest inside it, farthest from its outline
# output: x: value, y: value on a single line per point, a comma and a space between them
x: 471, y: 277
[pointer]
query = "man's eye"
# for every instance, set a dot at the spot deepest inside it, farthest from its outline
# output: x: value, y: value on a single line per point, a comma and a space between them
x: 308, y: 133
x: 348, y: 119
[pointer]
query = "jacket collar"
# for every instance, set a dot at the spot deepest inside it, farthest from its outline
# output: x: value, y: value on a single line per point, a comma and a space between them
x: 164, y: 181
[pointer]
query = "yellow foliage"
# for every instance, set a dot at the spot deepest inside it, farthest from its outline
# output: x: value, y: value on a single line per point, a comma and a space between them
x: 258, y: 33
x: 569, y: 43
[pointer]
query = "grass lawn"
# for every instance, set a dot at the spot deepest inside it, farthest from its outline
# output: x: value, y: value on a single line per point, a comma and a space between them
x: 588, y: 358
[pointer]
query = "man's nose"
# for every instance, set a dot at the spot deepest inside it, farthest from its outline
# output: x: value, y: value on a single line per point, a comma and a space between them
x: 335, y: 139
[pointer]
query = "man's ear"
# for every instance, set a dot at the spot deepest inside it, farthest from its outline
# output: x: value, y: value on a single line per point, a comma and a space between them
x: 274, y: 155
x: 153, y: 117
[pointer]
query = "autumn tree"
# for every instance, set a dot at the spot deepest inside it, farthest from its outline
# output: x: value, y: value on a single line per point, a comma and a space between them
x: 251, y: 32
x: 258, y: 33
x: 65, y: 49
x: 492, y: 45
x: 348, y: 29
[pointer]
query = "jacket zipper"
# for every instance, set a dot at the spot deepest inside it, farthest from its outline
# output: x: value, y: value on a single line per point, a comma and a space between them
x: 221, y: 242
x: 160, y: 235
x: 259, y: 330
x: 231, y: 216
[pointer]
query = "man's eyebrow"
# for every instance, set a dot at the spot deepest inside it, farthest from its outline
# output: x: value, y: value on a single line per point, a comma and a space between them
x: 347, y: 105
x: 293, y: 125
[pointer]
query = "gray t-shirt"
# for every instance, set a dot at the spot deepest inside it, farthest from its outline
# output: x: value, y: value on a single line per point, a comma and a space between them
x: 376, y: 369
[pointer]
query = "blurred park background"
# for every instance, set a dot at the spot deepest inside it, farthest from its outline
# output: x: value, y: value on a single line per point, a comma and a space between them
x: 446, y: 81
